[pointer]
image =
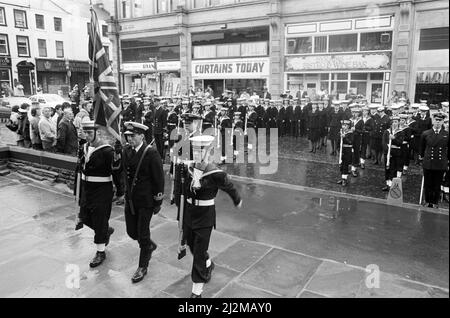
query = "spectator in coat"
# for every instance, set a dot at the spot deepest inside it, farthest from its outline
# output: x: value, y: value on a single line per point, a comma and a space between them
x: 67, y: 138
x: 36, y: 142
x: 47, y: 130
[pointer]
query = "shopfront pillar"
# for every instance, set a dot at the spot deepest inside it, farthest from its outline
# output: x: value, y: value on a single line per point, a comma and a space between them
x: 276, y: 49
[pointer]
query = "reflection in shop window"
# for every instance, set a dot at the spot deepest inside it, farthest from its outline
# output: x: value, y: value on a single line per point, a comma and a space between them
x: 299, y: 45
x: 228, y: 50
x: 376, y: 41
x: 343, y: 43
x: 254, y: 49
x: 358, y: 88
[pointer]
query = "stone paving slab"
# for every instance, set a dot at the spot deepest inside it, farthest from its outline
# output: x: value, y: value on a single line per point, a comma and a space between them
x: 239, y: 290
x: 282, y: 272
x: 241, y: 255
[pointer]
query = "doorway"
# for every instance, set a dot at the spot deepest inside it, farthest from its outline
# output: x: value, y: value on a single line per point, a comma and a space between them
x: 216, y: 85
x: 25, y: 72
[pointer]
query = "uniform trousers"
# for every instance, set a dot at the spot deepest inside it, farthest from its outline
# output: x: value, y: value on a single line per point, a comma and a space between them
x: 432, y: 185
x: 347, y: 156
x: 405, y: 155
x: 395, y: 164
x: 96, y: 216
x: 159, y: 141
x: 198, y: 242
x: 138, y: 228
x: 364, y: 143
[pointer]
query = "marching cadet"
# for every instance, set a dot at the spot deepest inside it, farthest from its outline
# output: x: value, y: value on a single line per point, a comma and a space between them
x: 305, y: 105
x: 96, y: 187
x: 252, y: 116
x: 382, y: 123
x: 374, y: 116
x: 172, y: 123
x: 369, y: 126
x: 224, y: 125
x: 289, y: 118
x: 323, y: 124
x: 208, y: 116
x: 434, y: 153
x: 357, y: 128
x: 272, y: 113
x: 423, y: 123
x: 445, y: 183
x: 203, y: 180
x: 346, y: 150
x: 242, y: 108
x: 144, y: 191
x: 392, y: 143
x: 281, y: 118
x: 407, y: 130
x: 159, y: 126
x: 334, y: 128
x: 260, y: 111
x: 237, y: 130
x: 231, y: 108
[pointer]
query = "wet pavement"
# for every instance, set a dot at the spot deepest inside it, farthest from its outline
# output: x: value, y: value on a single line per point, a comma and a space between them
x: 283, y: 243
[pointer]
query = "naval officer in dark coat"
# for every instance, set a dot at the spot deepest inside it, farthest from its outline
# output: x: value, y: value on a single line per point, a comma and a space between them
x: 144, y: 191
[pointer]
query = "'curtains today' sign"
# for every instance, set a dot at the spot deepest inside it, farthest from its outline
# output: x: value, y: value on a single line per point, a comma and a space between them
x: 223, y: 69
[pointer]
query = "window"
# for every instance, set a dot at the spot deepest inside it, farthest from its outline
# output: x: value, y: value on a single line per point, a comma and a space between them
x: 59, y: 49
x: 227, y: 50
x: 23, y: 47
x: 126, y: 12
x: 343, y: 43
x: 42, y: 45
x: 58, y: 24
x: 320, y: 44
x: 199, y: 3
x: 2, y: 16
x: 376, y: 41
x: 254, y: 49
x: 163, y: 6
x: 299, y: 45
x: 164, y: 48
x: 20, y: 19
x: 40, y: 22
x: 4, y: 46
x: 433, y: 39
x: 137, y: 11
x: 105, y: 30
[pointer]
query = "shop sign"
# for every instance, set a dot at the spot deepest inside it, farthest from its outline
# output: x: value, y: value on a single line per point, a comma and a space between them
x: 372, y: 61
x: 432, y: 77
x: 43, y: 65
x: 238, y: 68
x: 147, y: 67
x: 5, y: 62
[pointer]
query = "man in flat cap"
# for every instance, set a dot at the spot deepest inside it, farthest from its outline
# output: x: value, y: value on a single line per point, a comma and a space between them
x: 144, y: 191
x: 202, y: 180
x: 434, y: 153
x: 96, y: 191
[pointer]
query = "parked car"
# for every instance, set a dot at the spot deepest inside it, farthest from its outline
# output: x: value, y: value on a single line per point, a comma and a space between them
x: 48, y: 99
x: 6, y: 103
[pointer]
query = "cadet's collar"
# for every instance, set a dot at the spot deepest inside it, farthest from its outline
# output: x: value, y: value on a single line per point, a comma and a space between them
x: 139, y: 147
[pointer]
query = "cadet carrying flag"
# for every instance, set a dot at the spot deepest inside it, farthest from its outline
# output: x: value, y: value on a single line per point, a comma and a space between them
x: 106, y: 98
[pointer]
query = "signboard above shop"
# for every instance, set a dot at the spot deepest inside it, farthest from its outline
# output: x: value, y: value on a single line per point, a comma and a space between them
x: 48, y: 65
x: 231, y: 68
x: 433, y: 77
x: 150, y: 67
x: 5, y: 61
x: 371, y: 61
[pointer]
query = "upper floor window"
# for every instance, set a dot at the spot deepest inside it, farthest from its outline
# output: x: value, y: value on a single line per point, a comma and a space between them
x: 299, y: 45
x: 58, y: 24
x: 2, y: 16
x: 23, y: 46
x: 59, y: 49
x: 20, y: 19
x: 376, y: 41
x: 42, y: 46
x: 433, y: 39
x: 40, y: 21
x: 4, y: 47
x: 126, y: 9
x: 343, y: 42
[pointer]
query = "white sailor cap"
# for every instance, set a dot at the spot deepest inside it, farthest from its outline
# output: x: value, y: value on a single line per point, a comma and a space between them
x: 134, y: 128
x: 201, y: 141
x: 424, y: 108
x: 88, y: 124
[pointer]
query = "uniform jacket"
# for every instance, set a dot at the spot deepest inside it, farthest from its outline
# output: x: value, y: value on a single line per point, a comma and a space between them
x: 434, y: 149
x: 149, y: 183
x: 160, y: 118
x: 397, y: 141
x: 67, y: 138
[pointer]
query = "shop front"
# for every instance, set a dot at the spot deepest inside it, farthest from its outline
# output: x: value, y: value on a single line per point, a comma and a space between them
x: 5, y: 76
x: 250, y: 74
x: 161, y: 77
x: 59, y: 76
x: 341, y: 76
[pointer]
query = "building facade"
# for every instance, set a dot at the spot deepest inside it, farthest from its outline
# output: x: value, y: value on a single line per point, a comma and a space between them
x: 45, y: 43
x: 339, y: 48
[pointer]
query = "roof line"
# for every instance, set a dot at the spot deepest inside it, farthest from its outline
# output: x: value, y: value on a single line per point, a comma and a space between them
x: 60, y: 7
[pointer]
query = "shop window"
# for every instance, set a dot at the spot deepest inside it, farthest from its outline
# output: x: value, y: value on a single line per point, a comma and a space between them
x: 299, y: 45
x: 2, y: 17
x: 228, y: 50
x: 320, y: 44
x: 358, y: 88
x: 339, y: 76
x: 325, y: 76
x: 433, y: 39
x: 376, y: 41
x: 4, y: 46
x: 40, y: 22
x: 376, y: 76
x: 339, y: 88
x: 205, y: 51
x: 59, y: 49
x: 105, y: 30
x: 20, y: 19
x: 23, y: 47
x: 358, y: 76
x: 256, y: 34
x: 42, y: 46
x: 343, y: 43
x: 250, y: 85
x: 254, y: 49
x: 58, y: 24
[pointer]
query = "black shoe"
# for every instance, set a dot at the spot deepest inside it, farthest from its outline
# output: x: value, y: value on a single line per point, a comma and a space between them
x: 430, y: 205
x: 312, y: 150
x: 98, y: 259
x: 354, y: 173
x: 195, y: 296
x: 139, y: 274
x: 344, y: 182
x: 79, y: 226
x: 110, y: 232
x: 386, y: 188
x: 209, y: 273
x: 340, y: 181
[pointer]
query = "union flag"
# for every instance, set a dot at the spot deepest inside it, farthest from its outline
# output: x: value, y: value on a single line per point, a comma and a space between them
x: 106, y: 99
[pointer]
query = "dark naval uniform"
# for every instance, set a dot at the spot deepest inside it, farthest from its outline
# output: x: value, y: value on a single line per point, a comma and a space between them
x: 396, y: 162
x: 160, y: 118
x: 172, y: 123
x: 225, y: 123
x: 434, y: 151
x: 347, y: 154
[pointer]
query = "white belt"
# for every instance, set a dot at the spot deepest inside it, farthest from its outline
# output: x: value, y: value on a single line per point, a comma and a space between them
x: 395, y: 147
x: 347, y: 146
x: 96, y: 179
x: 201, y: 202
x: 405, y: 143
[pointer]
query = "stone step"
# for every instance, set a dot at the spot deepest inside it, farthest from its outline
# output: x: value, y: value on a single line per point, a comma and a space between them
x: 31, y: 175
x: 4, y: 172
